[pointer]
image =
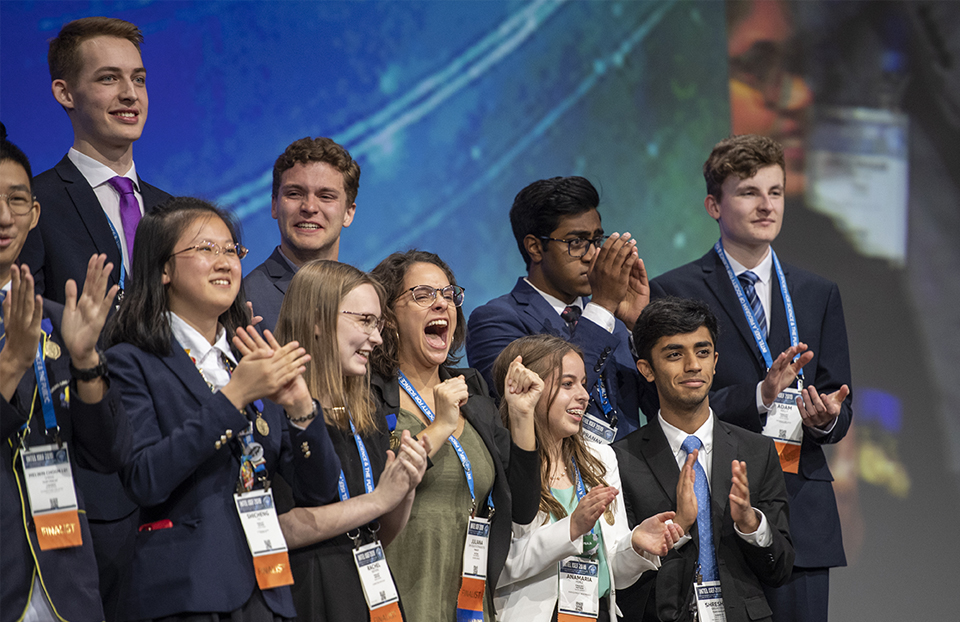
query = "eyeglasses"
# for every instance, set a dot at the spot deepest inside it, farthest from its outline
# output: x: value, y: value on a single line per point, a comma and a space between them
x: 212, y: 249
x: 578, y: 247
x: 368, y: 322
x: 20, y: 203
x: 424, y: 295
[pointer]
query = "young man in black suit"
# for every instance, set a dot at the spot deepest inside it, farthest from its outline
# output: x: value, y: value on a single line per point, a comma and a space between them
x: 763, y: 307
x: 690, y: 461
x: 315, y: 185
x: 93, y: 198
x: 92, y: 202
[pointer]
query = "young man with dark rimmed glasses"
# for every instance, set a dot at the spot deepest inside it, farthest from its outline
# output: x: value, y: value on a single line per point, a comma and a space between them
x: 582, y: 286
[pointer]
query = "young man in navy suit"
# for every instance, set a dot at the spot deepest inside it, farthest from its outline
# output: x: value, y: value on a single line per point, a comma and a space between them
x: 724, y: 483
x: 764, y: 306
x: 93, y: 198
x: 92, y: 201
x: 64, y: 396
x: 315, y: 185
x: 577, y: 287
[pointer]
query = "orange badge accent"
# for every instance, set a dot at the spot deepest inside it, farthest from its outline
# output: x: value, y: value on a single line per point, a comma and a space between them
x: 789, y: 456
x: 471, y: 594
x: 386, y: 613
x: 58, y: 530
x: 566, y: 617
x: 273, y: 570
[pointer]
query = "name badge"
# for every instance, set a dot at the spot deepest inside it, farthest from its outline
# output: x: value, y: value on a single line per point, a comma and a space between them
x: 378, y: 588
x: 53, y: 498
x: 709, y: 601
x: 595, y: 430
x: 579, y: 596
x: 785, y: 426
x: 474, y: 581
x: 258, y: 516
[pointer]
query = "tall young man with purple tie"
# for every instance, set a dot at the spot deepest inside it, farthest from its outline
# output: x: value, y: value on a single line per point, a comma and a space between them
x: 764, y: 307
x: 92, y: 201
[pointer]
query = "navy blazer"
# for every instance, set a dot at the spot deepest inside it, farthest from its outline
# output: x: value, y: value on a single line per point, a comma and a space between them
x: 72, y: 227
x: 265, y: 287
x: 516, y: 487
x: 98, y: 437
x: 649, y: 475
x: 524, y: 311
x: 815, y: 522
x: 202, y: 562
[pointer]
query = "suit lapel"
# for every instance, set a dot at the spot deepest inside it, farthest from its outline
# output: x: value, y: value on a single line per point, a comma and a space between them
x: 538, y: 310
x: 724, y: 453
x: 779, y: 337
x: 656, y: 452
x: 716, y: 279
x: 88, y: 207
x: 178, y: 361
x: 279, y: 270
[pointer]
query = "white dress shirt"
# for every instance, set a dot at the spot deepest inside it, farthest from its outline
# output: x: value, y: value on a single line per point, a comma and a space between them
x: 208, y: 358
x: 97, y: 175
x: 592, y: 311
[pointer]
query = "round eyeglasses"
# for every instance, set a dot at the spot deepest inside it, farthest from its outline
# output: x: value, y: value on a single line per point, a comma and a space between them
x: 368, y: 322
x: 578, y: 247
x: 212, y: 249
x: 424, y: 295
x: 20, y: 202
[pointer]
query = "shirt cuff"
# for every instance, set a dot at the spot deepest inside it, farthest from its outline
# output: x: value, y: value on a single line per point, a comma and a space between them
x: 762, y: 537
x: 762, y: 409
x: 599, y: 316
x: 821, y: 432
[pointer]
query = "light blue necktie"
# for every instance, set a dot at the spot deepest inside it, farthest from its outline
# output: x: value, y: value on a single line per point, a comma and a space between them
x: 708, y: 558
x: 748, y: 279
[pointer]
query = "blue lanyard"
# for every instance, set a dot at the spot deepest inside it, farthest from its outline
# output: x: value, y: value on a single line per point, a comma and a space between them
x: 748, y: 312
x: 116, y: 238
x: 581, y: 490
x: 464, y: 460
x: 364, y: 462
x: 43, y: 382
x: 605, y: 406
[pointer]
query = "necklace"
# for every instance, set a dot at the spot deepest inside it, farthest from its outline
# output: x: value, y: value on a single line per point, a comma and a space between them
x: 557, y: 478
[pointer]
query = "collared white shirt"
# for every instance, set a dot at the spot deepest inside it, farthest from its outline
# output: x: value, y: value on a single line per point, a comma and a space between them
x: 208, y: 358
x: 762, y: 537
x: 592, y: 311
x: 97, y: 175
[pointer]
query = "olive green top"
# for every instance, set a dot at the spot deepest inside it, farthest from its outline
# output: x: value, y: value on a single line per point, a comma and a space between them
x: 426, y: 559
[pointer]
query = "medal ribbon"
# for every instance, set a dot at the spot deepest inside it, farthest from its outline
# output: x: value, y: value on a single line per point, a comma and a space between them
x: 605, y: 406
x: 748, y: 312
x: 43, y: 382
x: 116, y: 238
x: 461, y: 454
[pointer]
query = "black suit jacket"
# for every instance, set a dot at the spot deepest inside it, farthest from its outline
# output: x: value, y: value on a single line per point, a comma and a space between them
x: 98, y: 437
x: 649, y: 474
x: 265, y: 287
x: 814, y: 520
x: 72, y: 227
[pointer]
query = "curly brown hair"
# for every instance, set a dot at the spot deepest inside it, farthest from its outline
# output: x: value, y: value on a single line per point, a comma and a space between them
x: 742, y: 156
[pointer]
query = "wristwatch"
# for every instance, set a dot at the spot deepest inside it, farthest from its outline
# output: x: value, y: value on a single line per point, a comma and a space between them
x: 86, y: 375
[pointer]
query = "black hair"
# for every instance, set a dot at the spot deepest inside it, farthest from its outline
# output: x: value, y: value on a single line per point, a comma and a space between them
x: 141, y: 319
x: 668, y: 316
x: 538, y: 208
x: 9, y: 151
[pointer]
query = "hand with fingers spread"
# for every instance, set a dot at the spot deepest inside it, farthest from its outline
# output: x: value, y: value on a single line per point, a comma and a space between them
x: 656, y: 535
x: 523, y: 389
x: 686, y: 495
x: 22, y: 312
x: 84, y: 317
x: 590, y: 509
x: 820, y: 410
x: 743, y: 514
x: 784, y: 372
x: 611, y: 271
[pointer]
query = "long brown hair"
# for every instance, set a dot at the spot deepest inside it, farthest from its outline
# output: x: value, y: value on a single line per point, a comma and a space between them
x: 312, y: 305
x: 543, y: 355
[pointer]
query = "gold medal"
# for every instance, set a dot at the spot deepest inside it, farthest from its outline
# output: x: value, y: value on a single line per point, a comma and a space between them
x: 51, y: 350
x: 262, y: 426
x: 395, y: 441
x: 608, y: 515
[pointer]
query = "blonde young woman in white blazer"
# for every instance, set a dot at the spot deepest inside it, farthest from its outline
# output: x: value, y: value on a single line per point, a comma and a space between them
x: 529, y: 587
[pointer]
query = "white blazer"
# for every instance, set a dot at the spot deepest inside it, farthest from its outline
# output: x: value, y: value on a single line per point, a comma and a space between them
x: 528, y: 588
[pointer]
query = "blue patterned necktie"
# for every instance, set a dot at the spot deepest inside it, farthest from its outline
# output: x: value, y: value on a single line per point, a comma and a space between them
x: 748, y: 279
x: 708, y: 558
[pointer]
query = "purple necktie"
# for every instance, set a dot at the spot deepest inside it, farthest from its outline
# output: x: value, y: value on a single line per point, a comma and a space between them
x: 129, y: 210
